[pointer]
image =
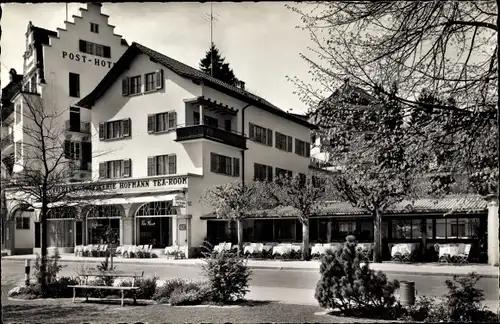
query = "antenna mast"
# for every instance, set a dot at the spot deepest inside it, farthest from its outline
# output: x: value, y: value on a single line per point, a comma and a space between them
x: 66, y: 11
x: 211, y: 41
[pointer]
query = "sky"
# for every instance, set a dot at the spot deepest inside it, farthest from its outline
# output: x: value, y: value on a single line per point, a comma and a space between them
x: 259, y: 40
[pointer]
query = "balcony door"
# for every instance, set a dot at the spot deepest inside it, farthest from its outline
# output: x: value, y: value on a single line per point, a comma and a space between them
x: 74, y: 119
x: 207, y: 120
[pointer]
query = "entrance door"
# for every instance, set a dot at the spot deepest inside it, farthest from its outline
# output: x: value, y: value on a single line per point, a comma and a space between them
x: 79, y: 233
x: 37, y: 235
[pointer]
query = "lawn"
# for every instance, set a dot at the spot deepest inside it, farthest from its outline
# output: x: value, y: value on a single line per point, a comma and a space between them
x: 65, y: 311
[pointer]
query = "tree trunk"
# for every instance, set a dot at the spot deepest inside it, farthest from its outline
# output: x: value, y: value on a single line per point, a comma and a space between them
x: 305, y: 241
x: 239, y: 225
x: 43, y: 245
x: 423, y: 233
x: 377, y: 236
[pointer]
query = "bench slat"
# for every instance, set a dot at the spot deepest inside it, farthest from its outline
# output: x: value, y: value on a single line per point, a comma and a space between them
x: 104, y: 287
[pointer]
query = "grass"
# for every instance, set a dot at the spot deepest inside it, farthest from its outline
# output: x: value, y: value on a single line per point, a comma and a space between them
x: 65, y: 311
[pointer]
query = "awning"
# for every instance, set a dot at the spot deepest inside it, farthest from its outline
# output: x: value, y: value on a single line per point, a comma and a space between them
x: 131, y: 200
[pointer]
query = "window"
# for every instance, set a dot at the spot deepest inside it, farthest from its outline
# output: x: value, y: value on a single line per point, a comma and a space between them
x: 115, y: 129
x: 22, y: 223
x: 135, y: 84
x: 227, y: 125
x: 207, y: 120
x: 283, y: 142
x: 162, y: 122
x: 150, y: 81
x: 33, y: 84
x: 94, y: 28
x: 115, y: 169
x: 18, y: 113
x: 262, y: 172
x: 224, y: 165
x: 162, y: 165
x: 302, y: 148
x: 347, y: 227
x: 261, y: 135
x: 74, y: 85
x: 458, y: 230
x: 72, y: 150
x: 283, y: 173
x: 95, y: 49
x: 408, y: 228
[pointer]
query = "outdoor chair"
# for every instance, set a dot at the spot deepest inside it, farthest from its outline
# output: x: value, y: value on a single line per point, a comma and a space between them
x: 118, y: 250
x: 463, y: 254
x: 78, y: 250
x: 130, y: 253
x: 396, y: 255
x: 103, y: 249
x: 94, y: 250
x: 124, y: 250
x: 147, y: 251
x: 140, y: 251
x: 87, y: 250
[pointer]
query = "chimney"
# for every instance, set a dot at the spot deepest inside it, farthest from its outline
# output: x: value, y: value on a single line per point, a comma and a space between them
x: 12, y: 75
x: 240, y: 84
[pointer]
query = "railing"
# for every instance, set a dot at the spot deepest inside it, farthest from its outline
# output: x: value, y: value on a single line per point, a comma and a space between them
x: 212, y: 133
x: 82, y: 127
x: 7, y: 140
x: 318, y: 163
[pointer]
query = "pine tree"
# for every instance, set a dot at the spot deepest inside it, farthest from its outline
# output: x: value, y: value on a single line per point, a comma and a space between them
x: 221, y: 70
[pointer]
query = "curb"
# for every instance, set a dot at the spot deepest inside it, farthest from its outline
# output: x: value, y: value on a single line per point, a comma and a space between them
x: 260, y: 267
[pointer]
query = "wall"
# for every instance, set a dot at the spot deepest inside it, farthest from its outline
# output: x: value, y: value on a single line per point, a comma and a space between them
x: 114, y: 106
x: 24, y: 239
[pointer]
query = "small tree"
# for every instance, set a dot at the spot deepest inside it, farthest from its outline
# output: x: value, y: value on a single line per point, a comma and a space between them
x: 234, y: 201
x: 214, y: 64
x: 304, y: 194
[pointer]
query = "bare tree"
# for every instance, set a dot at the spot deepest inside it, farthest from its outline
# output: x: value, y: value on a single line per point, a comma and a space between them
x: 235, y: 201
x: 304, y: 194
x: 43, y: 166
x: 448, y: 49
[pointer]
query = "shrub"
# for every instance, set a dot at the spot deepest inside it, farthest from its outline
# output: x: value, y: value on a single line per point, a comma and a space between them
x: 228, y: 276
x: 462, y: 303
x: 194, y: 294
x: 52, y: 267
x: 147, y: 287
x: 59, y: 288
x: 164, y: 292
x: 354, y: 290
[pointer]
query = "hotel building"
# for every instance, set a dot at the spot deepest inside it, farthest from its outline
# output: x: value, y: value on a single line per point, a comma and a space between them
x: 59, y: 69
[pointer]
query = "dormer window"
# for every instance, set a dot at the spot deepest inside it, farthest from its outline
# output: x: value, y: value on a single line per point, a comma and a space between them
x: 94, y: 28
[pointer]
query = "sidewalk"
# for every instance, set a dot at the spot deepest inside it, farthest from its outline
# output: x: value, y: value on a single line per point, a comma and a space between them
x: 395, y: 268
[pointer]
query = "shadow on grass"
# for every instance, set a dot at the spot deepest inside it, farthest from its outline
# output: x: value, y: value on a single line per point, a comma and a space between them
x: 39, y: 312
x: 250, y: 303
x: 114, y: 301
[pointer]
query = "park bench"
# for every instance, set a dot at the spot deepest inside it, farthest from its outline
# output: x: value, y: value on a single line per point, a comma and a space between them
x: 110, y: 274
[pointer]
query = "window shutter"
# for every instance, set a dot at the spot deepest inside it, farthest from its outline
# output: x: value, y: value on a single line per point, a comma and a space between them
x: 151, y: 166
x: 297, y: 146
x: 83, y: 46
x: 236, y: 167
x: 126, y: 123
x: 151, y: 123
x: 251, y: 131
x: 67, y: 149
x: 308, y: 149
x: 106, y: 51
x: 172, y: 115
x: 101, y: 131
x: 125, y: 87
x: 269, y: 137
x: 269, y: 173
x: 159, y: 79
x: 289, y: 143
x: 126, y: 167
x: 276, y: 140
x: 102, y: 170
x: 172, y: 164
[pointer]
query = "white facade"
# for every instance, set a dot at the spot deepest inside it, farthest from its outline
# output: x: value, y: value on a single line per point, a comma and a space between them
x: 193, y: 152
x: 87, y: 49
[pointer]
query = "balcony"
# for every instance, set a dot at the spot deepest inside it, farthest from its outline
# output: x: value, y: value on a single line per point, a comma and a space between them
x: 6, y: 143
x: 212, y: 133
x: 82, y: 127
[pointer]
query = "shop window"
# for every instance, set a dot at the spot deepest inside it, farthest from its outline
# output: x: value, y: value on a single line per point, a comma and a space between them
x: 23, y: 223
x: 103, y: 231
x: 60, y: 233
x: 284, y: 230
x: 441, y: 230
x: 366, y: 230
x: 157, y: 208
x: 264, y: 230
x: 401, y: 229
x: 155, y: 231
x: 457, y: 228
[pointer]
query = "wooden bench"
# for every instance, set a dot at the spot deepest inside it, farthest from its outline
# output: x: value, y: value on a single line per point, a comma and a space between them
x: 109, y: 274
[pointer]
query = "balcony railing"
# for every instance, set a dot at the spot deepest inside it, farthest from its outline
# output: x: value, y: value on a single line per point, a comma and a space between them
x: 82, y: 127
x: 6, y: 141
x: 212, y: 133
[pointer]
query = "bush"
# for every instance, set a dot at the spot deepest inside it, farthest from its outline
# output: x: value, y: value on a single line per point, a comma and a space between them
x: 228, y: 276
x: 165, y: 292
x: 52, y: 267
x: 194, y: 294
x: 462, y: 303
x: 354, y: 290
x: 56, y: 289
x: 147, y: 287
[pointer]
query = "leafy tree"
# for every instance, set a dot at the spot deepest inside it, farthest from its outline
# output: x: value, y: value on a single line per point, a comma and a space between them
x: 234, y: 201
x: 304, y: 194
x: 447, y: 48
x: 369, y: 143
x: 219, y: 70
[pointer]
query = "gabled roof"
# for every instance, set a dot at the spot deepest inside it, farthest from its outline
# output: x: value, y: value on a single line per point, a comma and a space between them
x: 8, y: 93
x: 184, y: 71
x: 41, y: 37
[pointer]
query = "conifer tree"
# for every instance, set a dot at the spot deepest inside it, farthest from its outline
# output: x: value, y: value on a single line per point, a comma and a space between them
x: 220, y: 69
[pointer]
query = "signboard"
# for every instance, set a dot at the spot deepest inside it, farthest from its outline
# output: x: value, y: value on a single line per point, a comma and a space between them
x: 182, y: 227
x: 125, y: 185
x: 180, y: 201
x: 87, y: 59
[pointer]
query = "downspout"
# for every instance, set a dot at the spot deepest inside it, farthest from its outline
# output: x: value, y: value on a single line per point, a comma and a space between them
x: 243, y: 151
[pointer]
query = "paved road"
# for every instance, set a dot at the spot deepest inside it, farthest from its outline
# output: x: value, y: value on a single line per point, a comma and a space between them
x: 264, y: 281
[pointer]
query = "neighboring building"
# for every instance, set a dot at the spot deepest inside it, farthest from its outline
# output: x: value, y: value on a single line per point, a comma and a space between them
x: 60, y: 68
x: 163, y: 132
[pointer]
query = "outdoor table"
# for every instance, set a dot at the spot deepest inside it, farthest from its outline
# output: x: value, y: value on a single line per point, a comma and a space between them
x: 248, y: 249
x: 448, y: 251
x: 318, y: 249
